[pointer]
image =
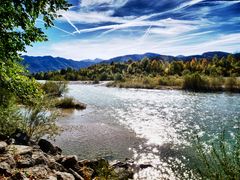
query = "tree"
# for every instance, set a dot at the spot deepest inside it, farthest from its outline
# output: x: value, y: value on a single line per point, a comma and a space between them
x: 18, y: 30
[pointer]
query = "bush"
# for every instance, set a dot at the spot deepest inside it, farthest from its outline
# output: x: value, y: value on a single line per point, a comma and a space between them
x: 194, y: 82
x: 10, y: 120
x: 55, y: 89
x: 40, y: 120
x: 118, y: 77
x: 222, y: 160
x: 231, y: 83
x: 68, y: 102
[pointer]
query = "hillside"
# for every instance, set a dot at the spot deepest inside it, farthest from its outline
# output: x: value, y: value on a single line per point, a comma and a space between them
x: 49, y: 63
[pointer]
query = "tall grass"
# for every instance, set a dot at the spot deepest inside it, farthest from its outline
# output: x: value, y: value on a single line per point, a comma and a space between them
x: 221, y: 160
x: 55, y: 88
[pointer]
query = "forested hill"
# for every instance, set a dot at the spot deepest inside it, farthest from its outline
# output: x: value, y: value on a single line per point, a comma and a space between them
x: 49, y: 63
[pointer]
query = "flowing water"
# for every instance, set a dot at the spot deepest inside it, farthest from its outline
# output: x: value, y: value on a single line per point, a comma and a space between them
x: 147, y: 126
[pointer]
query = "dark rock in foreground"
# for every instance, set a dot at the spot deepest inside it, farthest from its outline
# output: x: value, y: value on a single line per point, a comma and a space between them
x: 45, y: 161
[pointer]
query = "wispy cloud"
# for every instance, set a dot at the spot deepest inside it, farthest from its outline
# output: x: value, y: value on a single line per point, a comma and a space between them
x: 133, y: 26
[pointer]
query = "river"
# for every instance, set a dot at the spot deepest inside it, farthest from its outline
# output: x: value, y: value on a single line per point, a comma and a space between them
x: 147, y: 126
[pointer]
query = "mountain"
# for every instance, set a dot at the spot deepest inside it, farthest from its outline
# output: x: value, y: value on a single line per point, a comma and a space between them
x: 49, y: 63
x: 138, y: 57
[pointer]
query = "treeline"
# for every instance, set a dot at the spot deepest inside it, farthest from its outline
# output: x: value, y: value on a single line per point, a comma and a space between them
x: 216, y: 67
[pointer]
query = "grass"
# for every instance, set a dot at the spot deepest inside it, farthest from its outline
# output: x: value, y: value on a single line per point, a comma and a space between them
x: 193, y: 82
x: 221, y: 160
x: 69, y: 103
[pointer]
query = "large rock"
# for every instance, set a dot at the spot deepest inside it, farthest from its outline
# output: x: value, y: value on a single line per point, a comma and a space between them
x: 64, y: 176
x: 25, y: 161
x: 3, y: 146
x: 20, y: 138
x: 19, y: 150
x: 48, y: 147
x: 70, y: 162
x: 5, y: 169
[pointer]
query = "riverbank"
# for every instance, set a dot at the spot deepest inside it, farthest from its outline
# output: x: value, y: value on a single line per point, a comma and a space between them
x: 42, y: 160
x: 191, y: 82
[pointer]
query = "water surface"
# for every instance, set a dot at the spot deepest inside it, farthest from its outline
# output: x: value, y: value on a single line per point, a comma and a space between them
x: 144, y: 125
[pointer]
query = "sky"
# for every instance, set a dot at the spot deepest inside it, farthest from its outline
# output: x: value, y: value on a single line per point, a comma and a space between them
x: 108, y: 28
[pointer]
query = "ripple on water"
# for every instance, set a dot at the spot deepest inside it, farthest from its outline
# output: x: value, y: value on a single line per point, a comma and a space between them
x: 146, y: 125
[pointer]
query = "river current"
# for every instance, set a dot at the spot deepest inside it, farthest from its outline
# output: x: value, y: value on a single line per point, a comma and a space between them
x: 147, y: 126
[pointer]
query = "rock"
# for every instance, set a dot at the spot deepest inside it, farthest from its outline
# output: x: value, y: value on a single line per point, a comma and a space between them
x: 38, y: 172
x: 123, y: 174
x: 121, y: 165
x: 144, y: 166
x: 8, y: 158
x: 48, y: 147
x: 64, y: 176
x: 70, y: 162
x: 96, y: 164
x: 19, y: 149
x: 86, y: 172
x: 3, y: 146
x: 5, y: 169
x: 19, y: 176
x: 56, y: 166
x: 84, y: 162
x: 39, y: 158
x: 76, y: 175
x: 25, y: 161
x: 20, y: 138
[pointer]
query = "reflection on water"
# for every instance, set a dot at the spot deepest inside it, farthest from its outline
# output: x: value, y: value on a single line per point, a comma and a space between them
x: 146, y: 125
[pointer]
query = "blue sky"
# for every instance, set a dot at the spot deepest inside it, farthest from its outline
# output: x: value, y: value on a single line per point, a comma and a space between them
x: 108, y: 28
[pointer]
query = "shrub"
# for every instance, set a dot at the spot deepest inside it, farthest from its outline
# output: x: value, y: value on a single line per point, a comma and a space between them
x: 68, y: 102
x: 194, y: 82
x: 222, y: 160
x: 40, y: 120
x: 10, y: 120
x: 231, y: 83
x: 118, y: 77
x: 55, y: 89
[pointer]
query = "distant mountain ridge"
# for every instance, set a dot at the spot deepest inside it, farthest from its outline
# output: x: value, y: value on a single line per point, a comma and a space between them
x: 49, y: 63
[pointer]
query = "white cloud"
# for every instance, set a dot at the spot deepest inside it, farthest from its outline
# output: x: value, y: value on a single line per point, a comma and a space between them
x: 111, y: 3
x: 92, y: 17
x: 108, y: 48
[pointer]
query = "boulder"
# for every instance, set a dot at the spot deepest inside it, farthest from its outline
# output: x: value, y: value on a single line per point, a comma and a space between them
x: 48, y: 147
x: 64, y: 176
x: 144, y: 166
x: 20, y: 138
x: 70, y: 162
x: 38, y: 172
x: 19, y: 150
x: 76, y: 175
x: 5, y: 169
x: 25, y: 161
x: 3, y: 146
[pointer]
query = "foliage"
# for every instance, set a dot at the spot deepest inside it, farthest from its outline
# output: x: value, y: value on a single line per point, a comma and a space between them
x: 221, y: 160
x: 198, y: 74
x: 10, y: 120
x: 194, y: 82
x: 40, y: 120
x: 68, y: 102
x: 18, y: 29
x: 55, y: 88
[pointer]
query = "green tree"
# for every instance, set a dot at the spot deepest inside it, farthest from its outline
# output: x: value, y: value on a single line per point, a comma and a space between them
x: 17, y: 30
